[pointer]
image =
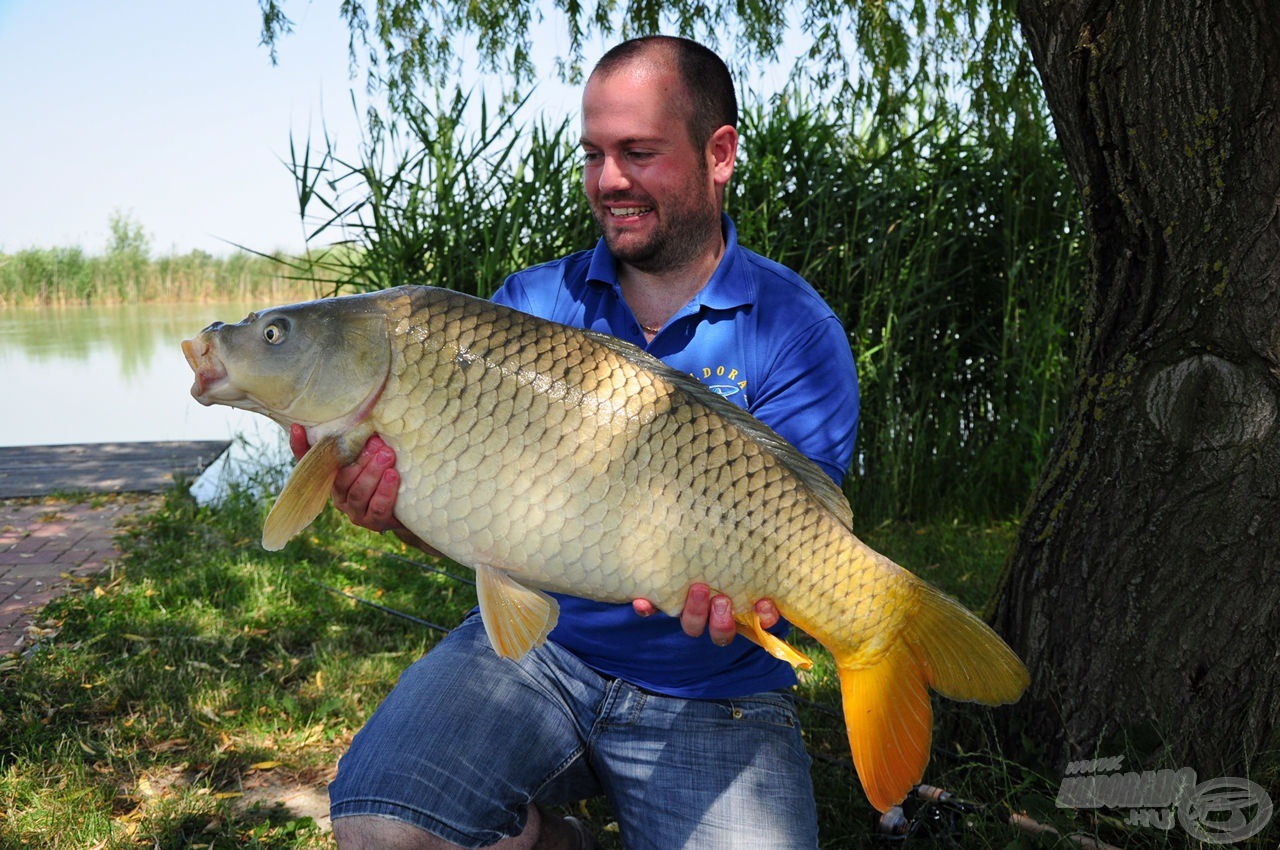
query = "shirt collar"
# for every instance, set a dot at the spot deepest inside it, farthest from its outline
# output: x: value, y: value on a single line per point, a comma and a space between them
x: 725, y: 290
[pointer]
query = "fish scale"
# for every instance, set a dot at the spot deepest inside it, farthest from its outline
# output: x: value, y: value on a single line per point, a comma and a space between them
x: 553, y: 458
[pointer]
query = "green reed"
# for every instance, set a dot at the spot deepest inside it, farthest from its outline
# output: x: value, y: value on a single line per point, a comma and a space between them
x: 952, y: 256
x: 952, y: 264
x: 428, y: 201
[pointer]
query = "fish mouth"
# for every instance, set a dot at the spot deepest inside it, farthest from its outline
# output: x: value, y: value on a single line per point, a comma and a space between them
x: 207, y: 367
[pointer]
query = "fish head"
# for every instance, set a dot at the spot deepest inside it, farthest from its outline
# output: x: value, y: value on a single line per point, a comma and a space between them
x: 315, y: 363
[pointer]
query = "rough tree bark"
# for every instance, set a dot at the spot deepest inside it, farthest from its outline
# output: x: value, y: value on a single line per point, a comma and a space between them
x: 1144, y: 592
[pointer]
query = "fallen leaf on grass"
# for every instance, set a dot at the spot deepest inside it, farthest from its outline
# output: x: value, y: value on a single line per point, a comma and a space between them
x: 170, y: 745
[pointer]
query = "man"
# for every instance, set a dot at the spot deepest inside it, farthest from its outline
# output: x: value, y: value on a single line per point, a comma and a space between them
x: 686, y: 729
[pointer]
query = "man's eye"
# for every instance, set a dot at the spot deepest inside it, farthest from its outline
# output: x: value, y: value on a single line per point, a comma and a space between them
x: 591, y: 156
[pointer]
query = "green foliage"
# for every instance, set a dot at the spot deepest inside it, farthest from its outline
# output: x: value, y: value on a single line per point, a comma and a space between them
x: 951, y: 262
x: 426, y: 202
x: 891, y: 57
x: 128, y: 240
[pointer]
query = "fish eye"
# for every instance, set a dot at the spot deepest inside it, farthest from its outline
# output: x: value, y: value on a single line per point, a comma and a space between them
x: 274, y: 333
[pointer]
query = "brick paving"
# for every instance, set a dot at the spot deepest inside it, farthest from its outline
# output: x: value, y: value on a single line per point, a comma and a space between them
x: 45, y: 547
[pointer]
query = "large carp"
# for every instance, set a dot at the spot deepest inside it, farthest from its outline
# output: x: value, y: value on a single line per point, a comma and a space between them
x: 553, y: 458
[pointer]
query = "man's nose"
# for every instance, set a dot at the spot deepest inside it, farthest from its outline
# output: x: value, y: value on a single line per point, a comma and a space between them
x: 613, y: 176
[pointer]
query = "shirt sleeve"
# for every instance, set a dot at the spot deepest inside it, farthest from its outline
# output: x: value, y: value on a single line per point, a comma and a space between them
x: 511, y: 294
x: 809, y: 395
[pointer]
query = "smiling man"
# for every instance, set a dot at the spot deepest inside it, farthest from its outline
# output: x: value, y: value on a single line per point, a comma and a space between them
x: 686, y: 729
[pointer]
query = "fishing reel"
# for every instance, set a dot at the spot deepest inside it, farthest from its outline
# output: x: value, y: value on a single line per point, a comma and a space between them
x: 928, y: 812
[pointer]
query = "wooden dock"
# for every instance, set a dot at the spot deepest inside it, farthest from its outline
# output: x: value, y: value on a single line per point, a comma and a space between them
x: 102, y: 467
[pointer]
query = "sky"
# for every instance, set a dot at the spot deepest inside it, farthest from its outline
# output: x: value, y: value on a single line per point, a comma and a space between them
x: 171, y: 113
x: 167, y: 111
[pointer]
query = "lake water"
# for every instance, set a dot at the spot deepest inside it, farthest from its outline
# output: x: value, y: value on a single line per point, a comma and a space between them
x: 116, y: 373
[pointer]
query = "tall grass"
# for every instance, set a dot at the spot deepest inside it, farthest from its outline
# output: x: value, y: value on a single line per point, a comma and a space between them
x: 67, y: 275
x: 952, y: 263
x: 427, y: 201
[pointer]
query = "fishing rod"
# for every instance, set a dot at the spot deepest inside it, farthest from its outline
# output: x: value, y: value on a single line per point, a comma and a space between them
x: 935, y: 812
x: 383, y: 608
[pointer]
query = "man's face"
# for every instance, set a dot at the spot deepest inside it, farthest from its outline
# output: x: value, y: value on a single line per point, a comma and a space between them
x: 652, y: 192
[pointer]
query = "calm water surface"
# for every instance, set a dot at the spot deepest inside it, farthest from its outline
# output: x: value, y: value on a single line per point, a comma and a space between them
x: 113, y: 374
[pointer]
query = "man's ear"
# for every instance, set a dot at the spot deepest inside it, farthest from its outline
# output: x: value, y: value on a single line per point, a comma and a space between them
x: 722, y: 154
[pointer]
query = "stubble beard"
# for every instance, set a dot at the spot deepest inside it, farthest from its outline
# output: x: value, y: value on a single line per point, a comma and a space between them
x: 684, y: 232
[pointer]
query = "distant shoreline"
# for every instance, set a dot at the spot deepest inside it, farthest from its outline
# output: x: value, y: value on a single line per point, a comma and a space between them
x: 44, y: 277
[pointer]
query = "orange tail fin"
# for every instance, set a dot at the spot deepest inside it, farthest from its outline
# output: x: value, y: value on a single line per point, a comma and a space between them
x: 886, y: 702
x: 890, y: 722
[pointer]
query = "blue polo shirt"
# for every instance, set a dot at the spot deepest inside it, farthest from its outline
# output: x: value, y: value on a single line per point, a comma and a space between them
x: 758, y: 335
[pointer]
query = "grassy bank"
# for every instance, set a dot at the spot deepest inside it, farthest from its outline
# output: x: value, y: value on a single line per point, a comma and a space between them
x: 203, y: 670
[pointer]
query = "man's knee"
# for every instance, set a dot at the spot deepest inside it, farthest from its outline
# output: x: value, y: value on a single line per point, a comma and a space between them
x: 370, y: 832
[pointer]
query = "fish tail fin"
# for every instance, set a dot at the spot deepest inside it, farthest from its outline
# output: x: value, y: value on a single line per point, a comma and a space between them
x: 964, y: 658
x: 887, y: 710
x: 890, y: 722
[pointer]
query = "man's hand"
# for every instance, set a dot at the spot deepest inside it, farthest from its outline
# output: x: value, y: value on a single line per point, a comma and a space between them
x: 366, y: 489
x: 712, y: 614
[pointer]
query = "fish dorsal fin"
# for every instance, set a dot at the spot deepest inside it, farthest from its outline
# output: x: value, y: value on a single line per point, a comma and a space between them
x: 304, y: 495
x: 813, y: 476
x: 516, y: 618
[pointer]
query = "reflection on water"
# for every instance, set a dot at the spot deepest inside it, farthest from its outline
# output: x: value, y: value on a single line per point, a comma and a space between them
x: 116, y: 373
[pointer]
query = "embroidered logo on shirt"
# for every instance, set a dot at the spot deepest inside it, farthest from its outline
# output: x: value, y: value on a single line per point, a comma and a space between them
x: 722, y: 380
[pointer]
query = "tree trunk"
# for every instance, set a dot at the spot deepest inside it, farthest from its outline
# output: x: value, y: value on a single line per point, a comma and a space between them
x: 1144, y: 592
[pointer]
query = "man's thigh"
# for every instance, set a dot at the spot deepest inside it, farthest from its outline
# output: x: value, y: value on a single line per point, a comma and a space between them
x: 708, y: 774
x: 465, y: 740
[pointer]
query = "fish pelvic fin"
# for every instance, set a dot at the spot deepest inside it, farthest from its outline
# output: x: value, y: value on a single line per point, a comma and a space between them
x: 304, y: 495
x: 516, y: 618
x: 749, y: 627
x: 942, y: 645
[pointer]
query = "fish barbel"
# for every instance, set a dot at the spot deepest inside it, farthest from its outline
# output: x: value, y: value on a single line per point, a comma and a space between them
x: 551, y: 458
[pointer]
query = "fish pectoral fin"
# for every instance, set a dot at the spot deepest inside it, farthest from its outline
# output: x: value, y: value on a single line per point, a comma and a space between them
x: 516, y: 618
x: 889, y: 719
x: 749, y: 627
x: 304, y: 495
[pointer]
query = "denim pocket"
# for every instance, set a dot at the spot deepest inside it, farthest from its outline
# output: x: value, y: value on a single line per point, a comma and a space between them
x: 775, y: 708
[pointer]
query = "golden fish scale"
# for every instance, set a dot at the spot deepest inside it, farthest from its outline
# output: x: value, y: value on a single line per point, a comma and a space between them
x: 544, y: 452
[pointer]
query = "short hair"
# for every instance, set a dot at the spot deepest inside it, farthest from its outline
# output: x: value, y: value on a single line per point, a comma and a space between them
x: 710, y: 99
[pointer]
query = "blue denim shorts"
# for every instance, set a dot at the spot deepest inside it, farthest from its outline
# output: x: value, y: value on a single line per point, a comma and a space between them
x: 467, y: 740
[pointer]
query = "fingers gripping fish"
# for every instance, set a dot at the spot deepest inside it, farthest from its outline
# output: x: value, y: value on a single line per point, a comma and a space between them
x: 550, y: 458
